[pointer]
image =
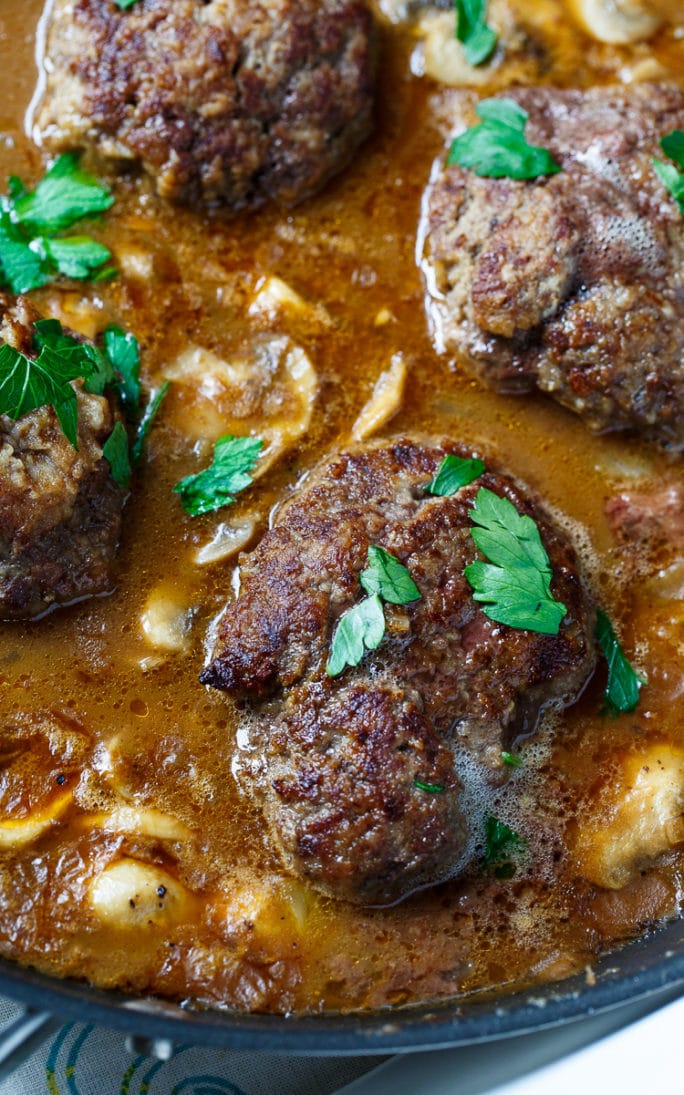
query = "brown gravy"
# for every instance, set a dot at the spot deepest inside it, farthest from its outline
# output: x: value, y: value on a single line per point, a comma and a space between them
x: 128, y: 724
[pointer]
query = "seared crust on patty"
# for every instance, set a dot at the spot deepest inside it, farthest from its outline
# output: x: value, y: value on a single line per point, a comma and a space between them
x: 222, y: 101
x: 574, y: 283
x: 335, y: 761
x: 60, y: 509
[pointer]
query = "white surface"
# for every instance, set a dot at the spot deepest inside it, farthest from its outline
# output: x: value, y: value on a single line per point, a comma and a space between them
x: 620, y: 1051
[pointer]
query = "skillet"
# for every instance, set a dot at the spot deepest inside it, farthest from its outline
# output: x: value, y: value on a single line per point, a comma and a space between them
x: 636, y: 971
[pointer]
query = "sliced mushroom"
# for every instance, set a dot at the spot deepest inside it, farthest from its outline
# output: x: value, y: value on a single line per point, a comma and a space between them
x: 228, y: 539
x: 618, y: 22
x: 140, y: 821
x: 387, y: 397
x: 268, y: 391
x: 640, y: 816
x: 16, y: 832
x: 274, y: 296
x: 166, y: 620
x: 269, y: 906
x: 130, y: 894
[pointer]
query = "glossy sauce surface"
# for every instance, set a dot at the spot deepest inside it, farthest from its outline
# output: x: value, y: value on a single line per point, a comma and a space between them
x: 127, y: 724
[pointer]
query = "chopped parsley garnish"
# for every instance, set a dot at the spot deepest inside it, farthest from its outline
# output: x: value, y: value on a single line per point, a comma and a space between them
x: 216, y: 486
x: 115, y: 450
x: 145, y: 424
x: 388, y: 577
x: 478, y: 39
x: 453, y: 473
x: 49, y: 333
x: 673, y: 147
x: 27, y: 383
x: 64, y: 196
x: 122, y: 351
x: 501, y: 844
x: 624, y: 683
x: 359, y: 629
x: 497, y: 147
x: 513, y: 760
x: 122, y: 354
x: 429, y: 788
x: 362, y: 626
x: 515, y: 584
x: 123, y: 4
x: 31, y: 253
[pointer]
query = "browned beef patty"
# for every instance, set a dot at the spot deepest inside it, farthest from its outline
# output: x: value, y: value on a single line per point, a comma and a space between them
x: 335, y: 761
x: 221, y: 101
x: 573, y: 284
x: 60, y: 509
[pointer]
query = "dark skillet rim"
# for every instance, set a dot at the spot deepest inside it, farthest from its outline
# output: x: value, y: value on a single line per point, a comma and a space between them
x: 638, y: 970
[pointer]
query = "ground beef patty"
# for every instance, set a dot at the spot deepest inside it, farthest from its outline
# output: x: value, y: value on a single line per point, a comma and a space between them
x: 335, y: 761
x: 60, y: 509
x: 573, y: 283
x: 221, y: 101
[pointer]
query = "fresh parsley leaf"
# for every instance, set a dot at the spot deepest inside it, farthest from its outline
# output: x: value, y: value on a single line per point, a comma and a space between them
x: 513, y: 760
x: 62, y: 197
x: 497, y: 147
x: 624, y: 683
x: 234, y: 458
x: 478, y: 39
x: 123, y: 4
x: 515, y: 585
x: 76, y: 257
x: 389, y: 578
x: 429, y: 788
x: 362, y: 627
x: 115, y: 450
x: 359, y: 629
x: 30, y: 253
x: 123, y: 353
x: 145, y: 425
x: 453, y: 473
x: 673, y: 147
x: 22, y: 268
x: 500, y: 841
x: 93, y: 365
x: 26, y: 384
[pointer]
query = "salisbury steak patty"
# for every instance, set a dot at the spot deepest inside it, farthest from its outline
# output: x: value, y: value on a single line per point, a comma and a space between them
x: 573, y: 283
x: 60, y: 509
x: 222, y: 101
x: 335, y: 761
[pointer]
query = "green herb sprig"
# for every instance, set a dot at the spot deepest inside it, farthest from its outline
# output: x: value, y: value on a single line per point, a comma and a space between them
x: 453, y: 473
x: 672, y: 177
x: 362, y: 627
x: 27, y: 383
x: 624, y: 683
x: 502, y: 844
x: 478, y: 39
x: 497, y: 148
x: 515, y: 585
x: 115, y: 450
x: 31, y: 252
x: 146, y: 421
x: 429, y: 788
x: 513, y: 760
x: 216, y: 486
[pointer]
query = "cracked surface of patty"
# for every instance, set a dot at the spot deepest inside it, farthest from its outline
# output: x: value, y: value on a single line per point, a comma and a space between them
x: 573, y: 284
x: 334, y: 762
x: 224, y: 102
x: 60, y: 509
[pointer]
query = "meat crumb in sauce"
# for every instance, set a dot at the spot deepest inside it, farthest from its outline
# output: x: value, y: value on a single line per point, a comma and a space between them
x: 129, y: 854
